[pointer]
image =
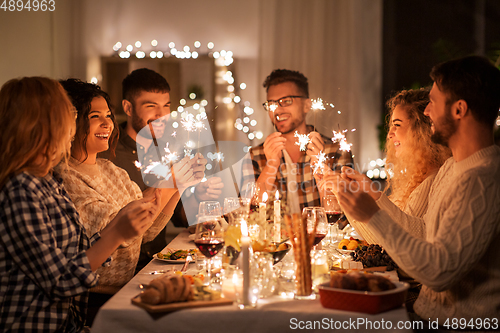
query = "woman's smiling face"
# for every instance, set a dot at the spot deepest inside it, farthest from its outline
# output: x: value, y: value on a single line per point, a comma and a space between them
x: 399, y: 128
x: 100, y: 127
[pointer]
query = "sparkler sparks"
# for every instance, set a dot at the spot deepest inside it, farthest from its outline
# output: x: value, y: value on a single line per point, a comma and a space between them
x: 317, y: 104
x: 320, y: 163
x: 171, y: 157
x: 188, y: 152
x: 189, y: 123
x: 199, y: 124
x: 341, y: 139
x: 303, y: 141
x: 216, y: 156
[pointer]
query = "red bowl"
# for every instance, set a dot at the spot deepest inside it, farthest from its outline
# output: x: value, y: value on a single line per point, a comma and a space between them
x: 363, y: 301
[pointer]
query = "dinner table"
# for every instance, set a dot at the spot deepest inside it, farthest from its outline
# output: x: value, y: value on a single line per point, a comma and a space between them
x: 271, y: 314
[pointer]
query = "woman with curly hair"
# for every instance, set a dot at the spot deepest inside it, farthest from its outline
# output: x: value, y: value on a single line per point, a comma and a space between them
x: 412, y: 158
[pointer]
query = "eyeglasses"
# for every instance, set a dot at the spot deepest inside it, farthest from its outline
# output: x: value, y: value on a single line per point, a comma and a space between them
x: 270, y: 105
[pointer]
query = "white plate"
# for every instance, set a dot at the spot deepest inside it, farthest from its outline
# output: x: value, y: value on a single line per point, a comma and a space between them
x: 178, y: 261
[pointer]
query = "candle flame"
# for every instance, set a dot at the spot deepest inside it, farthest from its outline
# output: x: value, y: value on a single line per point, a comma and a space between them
x: 264, y: 197
x: 244, y: 228
x: 277, y: 195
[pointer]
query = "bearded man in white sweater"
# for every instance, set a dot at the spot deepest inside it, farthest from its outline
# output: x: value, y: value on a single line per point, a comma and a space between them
x: 458, y: 259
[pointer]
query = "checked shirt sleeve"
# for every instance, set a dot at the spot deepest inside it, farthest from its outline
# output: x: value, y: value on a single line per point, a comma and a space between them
x: 46, y: 248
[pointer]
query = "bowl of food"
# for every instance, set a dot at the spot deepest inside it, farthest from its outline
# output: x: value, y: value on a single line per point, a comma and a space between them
x: 362, y: 292
x: 278, y: 251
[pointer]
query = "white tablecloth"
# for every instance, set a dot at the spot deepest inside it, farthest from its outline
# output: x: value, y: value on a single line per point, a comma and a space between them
x: 271, y: 315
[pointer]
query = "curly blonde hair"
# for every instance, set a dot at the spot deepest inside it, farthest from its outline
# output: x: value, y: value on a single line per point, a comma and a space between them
x: 37, y: 121
x: 421, y: 156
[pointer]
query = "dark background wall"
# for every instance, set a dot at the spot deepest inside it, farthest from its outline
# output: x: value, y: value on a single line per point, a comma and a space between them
x: 417, y: 34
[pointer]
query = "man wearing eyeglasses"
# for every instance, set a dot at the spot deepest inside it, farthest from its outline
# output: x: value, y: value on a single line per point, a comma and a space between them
x: 279, y: 163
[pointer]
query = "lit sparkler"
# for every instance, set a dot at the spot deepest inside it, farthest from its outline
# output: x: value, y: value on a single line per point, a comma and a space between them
x: 189, y: 123
x: 303, y: 141
x: 341, y: 139
x: 320, y: 163
x: 171, y: 157
x: 216, y: 156
x: 317, y: 104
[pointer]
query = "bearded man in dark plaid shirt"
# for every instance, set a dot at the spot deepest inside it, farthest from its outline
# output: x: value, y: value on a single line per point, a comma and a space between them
x: 288, y: 104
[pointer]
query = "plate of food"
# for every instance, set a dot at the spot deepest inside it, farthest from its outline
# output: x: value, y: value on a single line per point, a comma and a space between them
x: 362, y: 292
x: 175, y: 292
x: 175, y: 256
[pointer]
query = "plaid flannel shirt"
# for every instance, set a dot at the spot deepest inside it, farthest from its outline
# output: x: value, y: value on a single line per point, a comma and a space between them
x: 306, y: 184
x: 44, y: 271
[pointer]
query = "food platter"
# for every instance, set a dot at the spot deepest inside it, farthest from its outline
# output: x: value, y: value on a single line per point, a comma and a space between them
x: 171, y: 307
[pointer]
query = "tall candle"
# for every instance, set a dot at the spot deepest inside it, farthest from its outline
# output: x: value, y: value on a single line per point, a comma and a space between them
x: 245, y: 252
x: 263, y: 207
x: 277, y: 218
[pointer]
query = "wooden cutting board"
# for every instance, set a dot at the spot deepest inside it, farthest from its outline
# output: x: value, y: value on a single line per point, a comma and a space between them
x: 170, y: 307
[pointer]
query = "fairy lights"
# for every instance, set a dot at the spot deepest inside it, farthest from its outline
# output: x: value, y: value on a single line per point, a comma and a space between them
x: 222, y: 59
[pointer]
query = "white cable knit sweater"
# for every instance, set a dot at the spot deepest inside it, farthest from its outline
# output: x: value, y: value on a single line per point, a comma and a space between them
x: 415, y: 206
x: 458, y: 261
x: 99, y: 191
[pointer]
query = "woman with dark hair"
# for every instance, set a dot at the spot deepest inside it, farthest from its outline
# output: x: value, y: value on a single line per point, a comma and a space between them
x: 100, y: 189
x: 48, y: 260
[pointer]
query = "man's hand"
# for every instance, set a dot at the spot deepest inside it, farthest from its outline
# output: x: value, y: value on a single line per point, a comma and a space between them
x: 209, y: 190
x: 365, y: 183
x: 354, y: 200
x: 315, y: 146
x: 198, y: 166
x: 183, y: 175
x: 329, y: 181
x: 273, y: 146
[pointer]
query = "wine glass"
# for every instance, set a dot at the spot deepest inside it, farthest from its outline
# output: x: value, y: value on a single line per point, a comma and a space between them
x: 316, y: 215
x: 236, y: 208
x: 209, y: 208
x: 209, y: 239
x: 333, y: 214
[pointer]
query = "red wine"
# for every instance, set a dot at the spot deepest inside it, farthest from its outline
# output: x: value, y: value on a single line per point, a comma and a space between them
x: 333, y: 217
x: 209, y: 247
x: 318, y: 238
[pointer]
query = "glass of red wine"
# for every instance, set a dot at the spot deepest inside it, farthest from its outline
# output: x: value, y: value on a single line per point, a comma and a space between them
x: 209, y: 239
x: 316, y: 215
x: 333, y: 214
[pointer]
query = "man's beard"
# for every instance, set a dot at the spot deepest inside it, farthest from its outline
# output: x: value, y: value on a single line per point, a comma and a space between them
x: 448, y: 128
x: 138, y: 124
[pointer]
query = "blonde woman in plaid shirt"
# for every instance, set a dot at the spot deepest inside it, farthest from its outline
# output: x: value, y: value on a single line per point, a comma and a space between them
x: 48, y: 263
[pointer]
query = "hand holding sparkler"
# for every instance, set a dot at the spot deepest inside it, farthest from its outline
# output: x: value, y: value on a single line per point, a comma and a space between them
x: 183, y: 175
x: 273, y: 147
x: 209, y: 190
x: 354, y: 201
x: 198, y: 165
x: 365, y: 183
x: 315, y: 146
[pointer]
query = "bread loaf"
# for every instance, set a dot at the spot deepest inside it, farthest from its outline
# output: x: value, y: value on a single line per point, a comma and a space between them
x: 168, y: 289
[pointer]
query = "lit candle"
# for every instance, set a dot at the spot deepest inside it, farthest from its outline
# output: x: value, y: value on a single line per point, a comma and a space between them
x: 277, y: 218
x: 263, y: 207
x: 245, y: 252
